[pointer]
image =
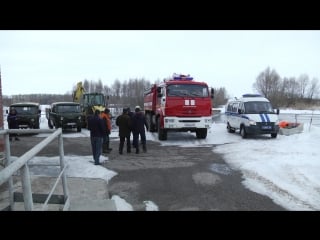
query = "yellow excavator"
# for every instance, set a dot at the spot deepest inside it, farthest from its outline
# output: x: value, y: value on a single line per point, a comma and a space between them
x: 89, y: 102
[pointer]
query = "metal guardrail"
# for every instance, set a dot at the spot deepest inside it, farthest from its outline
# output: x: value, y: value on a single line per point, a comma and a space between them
x: 22, y: 164
x: 310, y: 118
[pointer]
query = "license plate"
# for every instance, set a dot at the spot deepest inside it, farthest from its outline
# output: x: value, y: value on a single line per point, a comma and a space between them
x: 71, y: 124
x: 189, y: 124
x: 266, y: 127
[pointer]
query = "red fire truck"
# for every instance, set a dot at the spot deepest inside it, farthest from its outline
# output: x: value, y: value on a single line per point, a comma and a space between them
x: 179, y: 104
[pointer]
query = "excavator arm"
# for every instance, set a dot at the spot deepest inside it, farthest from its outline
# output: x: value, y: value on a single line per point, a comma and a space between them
x: 77, y: 94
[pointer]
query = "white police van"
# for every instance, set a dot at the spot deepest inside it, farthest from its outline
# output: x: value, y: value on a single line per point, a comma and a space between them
x: 252, y: 114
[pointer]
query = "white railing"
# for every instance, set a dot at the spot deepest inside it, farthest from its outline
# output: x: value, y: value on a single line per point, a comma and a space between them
x: 307, y: 118
x: 11, y: 167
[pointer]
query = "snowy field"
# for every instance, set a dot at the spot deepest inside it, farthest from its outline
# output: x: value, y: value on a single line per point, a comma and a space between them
x: 286, y: 168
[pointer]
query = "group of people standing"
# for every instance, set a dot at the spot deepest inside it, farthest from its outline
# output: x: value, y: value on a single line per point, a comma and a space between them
x: 100, y: 128
x: 134, y: 122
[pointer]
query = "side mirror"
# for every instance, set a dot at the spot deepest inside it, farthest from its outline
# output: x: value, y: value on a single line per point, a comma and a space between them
x: 277, y: 111
x: 7, y: 112
x: 239, y: 111
x: 212, y: 93
x: 158, y: 90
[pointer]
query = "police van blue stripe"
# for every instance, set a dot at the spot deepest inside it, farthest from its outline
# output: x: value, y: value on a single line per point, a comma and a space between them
x: 262, y: 118
x: 267, y: 117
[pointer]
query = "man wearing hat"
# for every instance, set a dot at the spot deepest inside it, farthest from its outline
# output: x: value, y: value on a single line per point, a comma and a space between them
x: 138, y: 123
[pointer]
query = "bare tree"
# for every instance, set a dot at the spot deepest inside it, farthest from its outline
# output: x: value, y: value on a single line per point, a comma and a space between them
x: 268, y: 83
x: 291, y: 91
x: 99, y: 86
x: 86, y: 85
x: 116, y: 88
x: 220, y: 96
x: 303, y: 81
x: 313, y: 90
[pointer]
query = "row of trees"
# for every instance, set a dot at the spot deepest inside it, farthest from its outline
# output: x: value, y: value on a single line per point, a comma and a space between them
x: 128, y: 93
x: 282, y: 92
x: 287, y: 92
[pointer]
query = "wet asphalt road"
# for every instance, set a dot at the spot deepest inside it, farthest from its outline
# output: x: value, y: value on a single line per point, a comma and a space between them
x: 173, y: 178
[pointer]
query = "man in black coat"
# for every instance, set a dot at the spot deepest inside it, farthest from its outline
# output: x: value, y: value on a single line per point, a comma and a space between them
x: 138, y: 123
x: 124, y: 123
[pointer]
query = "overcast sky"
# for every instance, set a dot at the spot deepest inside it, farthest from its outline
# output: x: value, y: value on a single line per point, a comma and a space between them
x: 54, y: 61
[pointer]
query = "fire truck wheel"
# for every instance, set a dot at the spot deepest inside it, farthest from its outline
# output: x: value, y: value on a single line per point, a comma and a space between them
x: 201, y: 133
x: 162, y: 134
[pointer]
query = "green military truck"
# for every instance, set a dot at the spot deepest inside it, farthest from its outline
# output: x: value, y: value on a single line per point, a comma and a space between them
x: 65, y: 115
x: 28, y: 114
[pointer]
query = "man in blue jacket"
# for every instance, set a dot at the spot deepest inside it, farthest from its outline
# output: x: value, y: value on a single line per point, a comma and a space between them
x: 97, y: 128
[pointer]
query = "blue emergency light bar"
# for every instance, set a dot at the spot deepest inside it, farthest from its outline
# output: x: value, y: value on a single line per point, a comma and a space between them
x: 182, y: 77
x: 251, y: 95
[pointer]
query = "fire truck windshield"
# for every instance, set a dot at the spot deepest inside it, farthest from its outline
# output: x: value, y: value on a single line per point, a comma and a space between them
x: 190, y: 90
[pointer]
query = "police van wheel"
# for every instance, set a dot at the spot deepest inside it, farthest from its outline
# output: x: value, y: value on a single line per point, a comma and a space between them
x: 230, y: 129
x: 273, y: 135
x: 243, y: 132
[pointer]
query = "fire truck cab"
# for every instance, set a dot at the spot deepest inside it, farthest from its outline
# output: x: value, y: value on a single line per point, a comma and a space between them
x: 179, y: 104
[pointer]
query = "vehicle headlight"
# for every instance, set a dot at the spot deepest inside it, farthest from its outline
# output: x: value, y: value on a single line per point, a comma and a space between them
x: 251, y: 122
x: 61, y: 118
x: 32, y: 120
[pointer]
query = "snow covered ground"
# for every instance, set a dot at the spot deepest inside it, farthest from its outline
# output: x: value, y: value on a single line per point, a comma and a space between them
x: 286, y: 169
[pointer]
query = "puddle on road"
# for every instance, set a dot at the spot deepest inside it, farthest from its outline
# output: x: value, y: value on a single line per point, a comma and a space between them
x: 220, y: 168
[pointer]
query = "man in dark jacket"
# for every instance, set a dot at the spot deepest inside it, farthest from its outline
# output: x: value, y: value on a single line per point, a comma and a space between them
x: 138, y: 123
x: 124, y: 123
x: 98, y: 130
x: 13, y: 123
